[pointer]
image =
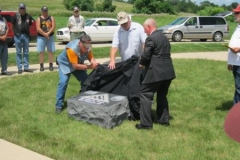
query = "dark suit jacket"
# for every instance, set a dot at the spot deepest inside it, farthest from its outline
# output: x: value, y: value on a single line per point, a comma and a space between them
x: 157, y: 59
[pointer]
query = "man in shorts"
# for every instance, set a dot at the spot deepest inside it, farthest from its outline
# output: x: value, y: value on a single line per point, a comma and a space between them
x: 45, y: 28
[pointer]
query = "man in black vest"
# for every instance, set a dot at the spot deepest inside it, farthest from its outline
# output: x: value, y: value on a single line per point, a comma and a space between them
x: 21, y: 22
x: 156, y: 59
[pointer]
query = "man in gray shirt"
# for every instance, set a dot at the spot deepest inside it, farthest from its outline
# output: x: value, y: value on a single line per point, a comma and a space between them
x: 129, y: 39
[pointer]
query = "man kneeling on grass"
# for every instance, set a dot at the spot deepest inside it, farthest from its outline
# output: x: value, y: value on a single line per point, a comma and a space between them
x: 71, y: 61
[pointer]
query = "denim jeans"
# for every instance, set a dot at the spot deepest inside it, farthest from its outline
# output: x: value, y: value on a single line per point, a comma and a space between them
x: 42, y: 42
x: 22, y: 44
x: 81, y: 76
x: 236, y: 74
x: 4, y: 57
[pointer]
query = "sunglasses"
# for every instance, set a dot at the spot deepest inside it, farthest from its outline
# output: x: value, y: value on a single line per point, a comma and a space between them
x: 87, y: 45
x: 22, y: 8
x: 236, y: 12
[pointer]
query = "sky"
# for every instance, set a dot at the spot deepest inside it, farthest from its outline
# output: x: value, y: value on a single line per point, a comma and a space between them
x: 218, y: 2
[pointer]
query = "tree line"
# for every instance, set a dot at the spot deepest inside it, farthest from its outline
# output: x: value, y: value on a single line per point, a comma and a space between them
x: 152, y: 6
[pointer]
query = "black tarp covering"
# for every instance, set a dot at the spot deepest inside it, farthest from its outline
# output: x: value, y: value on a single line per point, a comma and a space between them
x: 124, y: 80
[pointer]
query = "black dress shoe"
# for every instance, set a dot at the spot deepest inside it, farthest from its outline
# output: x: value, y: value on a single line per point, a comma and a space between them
x: 27, y: 70
x: 6, y: 74
x: 51, y: 68
x: 58, y: 110
x: 19, y: 71
x: 41, y: 69
x: 165, y: 124
x: 139, y: 126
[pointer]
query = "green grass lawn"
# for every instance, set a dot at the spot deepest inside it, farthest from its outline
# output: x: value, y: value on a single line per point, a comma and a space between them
x: 199, y: 99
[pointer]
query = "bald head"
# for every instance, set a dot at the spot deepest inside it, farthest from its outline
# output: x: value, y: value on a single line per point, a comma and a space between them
x: 150, y: 22
x: 149, y: 26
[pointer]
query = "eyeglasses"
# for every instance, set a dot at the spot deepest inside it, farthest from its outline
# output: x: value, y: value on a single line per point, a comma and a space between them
x: 21, y: 8
x: 236, y: 13
x: 76, y: 11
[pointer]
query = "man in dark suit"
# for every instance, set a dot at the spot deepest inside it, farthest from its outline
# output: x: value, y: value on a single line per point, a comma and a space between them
x: 157, y: 62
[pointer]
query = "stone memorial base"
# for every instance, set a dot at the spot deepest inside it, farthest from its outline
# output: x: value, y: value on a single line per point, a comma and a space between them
x: 103, y: 109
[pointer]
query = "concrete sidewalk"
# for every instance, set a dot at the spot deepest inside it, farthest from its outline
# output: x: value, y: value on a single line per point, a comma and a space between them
x: 221, y: 56
x: 9, y: 151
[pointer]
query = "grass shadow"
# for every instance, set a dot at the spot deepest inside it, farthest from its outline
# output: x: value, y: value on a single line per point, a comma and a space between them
x: 154, y: 116
x: 225, y: 106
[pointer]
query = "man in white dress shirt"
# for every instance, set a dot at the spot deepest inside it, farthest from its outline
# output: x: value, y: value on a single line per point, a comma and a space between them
x: 234, y: 55
x: 129, y: 39
x: 76, y: 24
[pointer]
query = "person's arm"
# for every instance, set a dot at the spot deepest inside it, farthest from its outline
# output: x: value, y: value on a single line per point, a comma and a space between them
x: 69, y: 23
x: 83, y: 24
x: 30, y: 20
x: 147, y: 54
x: 4, y: 37
x: 73, y: 59
x: 113, y: 53
x: 235, y: 49
x: 53, y: 26
x: 229, y: 67
x: 13, y: 20
x: 143, y: 36
x: 91, y: 58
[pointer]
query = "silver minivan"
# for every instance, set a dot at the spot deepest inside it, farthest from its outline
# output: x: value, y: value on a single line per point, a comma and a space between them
x: 197, y: 27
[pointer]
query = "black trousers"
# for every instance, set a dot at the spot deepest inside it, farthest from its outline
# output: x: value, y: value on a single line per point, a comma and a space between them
x: 146, y: 98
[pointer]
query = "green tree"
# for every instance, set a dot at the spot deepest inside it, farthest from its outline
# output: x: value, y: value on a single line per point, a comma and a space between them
x: 152, y: 6
x: 106, y: 6
x: 84, y: 5
x: 210, y: 11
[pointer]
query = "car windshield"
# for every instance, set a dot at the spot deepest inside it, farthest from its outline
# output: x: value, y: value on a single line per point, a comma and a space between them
x: 179, y: 21
x: 89, y: 22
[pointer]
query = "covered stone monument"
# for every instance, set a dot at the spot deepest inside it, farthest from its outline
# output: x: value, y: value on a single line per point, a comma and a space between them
x: 100, y: 108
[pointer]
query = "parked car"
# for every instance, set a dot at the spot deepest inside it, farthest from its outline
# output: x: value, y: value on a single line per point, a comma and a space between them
x: 197, y: 27
x: 99, y: 29
x: 10, y: 37
x: 224, y: 14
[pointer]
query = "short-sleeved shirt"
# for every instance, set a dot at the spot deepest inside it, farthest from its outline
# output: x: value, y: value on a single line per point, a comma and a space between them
x: 234, y: 59
x: 73, y: 57
x: 76, y: 24
x: 3, y: 28
x: 129, y: 42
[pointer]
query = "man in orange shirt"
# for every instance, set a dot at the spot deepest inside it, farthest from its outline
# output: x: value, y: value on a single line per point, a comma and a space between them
x: 71, y: 61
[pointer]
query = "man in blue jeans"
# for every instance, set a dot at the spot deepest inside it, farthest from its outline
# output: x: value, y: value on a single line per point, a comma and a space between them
x: 3, y: 45
x: 234, y: 55
x: 71, y: 61
x: 21, y: 22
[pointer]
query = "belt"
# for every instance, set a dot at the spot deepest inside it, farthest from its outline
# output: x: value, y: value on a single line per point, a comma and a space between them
x: 76, y: 32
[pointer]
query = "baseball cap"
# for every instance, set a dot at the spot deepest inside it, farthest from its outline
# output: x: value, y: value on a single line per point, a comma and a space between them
x: 86, y: 41
x: 232, y: 123
x: 44, y: 8
x: 21, y: 6
x: 75, y: 8
x: 237, y: 9
x: 122, y: 18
